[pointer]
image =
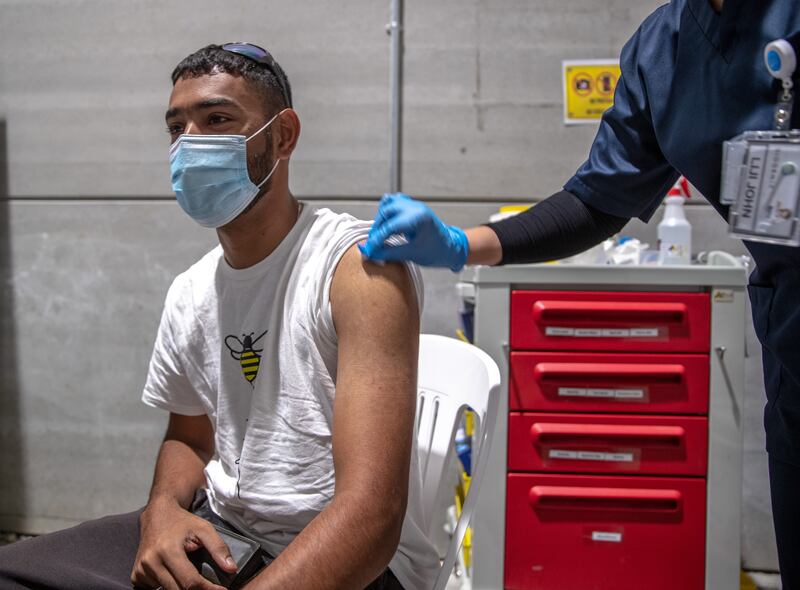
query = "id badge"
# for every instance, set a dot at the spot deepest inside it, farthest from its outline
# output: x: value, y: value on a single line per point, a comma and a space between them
x: 761, y: 184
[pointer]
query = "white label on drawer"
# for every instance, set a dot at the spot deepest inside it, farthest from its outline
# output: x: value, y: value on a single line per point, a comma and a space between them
x: 601, y: 332
x: 606, y: 537
x: 554, y: 331
x: 619, y: 457
x: 571, y: 392
x: 590, y: 456
x: 588, y: 332
x: 629, y: 393
x: 601, y: 393
x: 644, y: 332
x: 616, y: 333
x: 556, y: 454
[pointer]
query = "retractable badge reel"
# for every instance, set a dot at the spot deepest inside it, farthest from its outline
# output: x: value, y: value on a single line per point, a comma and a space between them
x: 761, y: 169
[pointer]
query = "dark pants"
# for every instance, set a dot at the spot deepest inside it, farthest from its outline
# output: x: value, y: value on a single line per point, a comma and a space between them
x: 784, y: 479
x: 95, y: 555
x: 776, y: 318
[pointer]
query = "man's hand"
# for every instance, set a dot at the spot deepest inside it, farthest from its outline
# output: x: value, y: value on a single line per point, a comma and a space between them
x: 168, y: 533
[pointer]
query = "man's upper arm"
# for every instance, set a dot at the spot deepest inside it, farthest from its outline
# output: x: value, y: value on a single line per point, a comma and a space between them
x: 376, y: 316
x: 195, y: 431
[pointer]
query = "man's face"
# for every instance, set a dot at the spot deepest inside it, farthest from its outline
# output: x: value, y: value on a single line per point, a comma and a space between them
x: 221, y: 104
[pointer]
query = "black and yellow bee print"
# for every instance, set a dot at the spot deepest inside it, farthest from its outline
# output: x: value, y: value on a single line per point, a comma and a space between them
x: 245, y: 352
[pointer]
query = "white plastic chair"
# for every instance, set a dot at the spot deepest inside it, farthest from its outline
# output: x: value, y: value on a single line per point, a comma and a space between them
x: 453, y: 376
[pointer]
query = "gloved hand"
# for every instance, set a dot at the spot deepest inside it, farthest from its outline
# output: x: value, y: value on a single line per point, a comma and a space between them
x: 429, y: 241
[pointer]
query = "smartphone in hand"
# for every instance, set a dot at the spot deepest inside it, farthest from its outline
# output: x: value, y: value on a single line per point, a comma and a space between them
x: 247, y: 554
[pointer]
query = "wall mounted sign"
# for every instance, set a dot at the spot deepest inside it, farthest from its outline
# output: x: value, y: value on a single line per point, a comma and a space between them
x: 588, y: 89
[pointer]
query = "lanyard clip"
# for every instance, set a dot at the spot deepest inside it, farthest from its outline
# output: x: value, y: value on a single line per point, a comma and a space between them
x: 781, y: 61
x: 783, y: 110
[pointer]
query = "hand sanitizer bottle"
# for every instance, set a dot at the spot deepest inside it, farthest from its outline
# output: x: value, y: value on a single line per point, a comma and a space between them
x: 674, y: 231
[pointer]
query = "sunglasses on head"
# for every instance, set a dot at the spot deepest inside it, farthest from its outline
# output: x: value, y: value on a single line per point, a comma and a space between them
x: 262, y: 56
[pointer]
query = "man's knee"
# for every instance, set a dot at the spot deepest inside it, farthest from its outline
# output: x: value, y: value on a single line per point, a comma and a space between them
x: 74, y: 558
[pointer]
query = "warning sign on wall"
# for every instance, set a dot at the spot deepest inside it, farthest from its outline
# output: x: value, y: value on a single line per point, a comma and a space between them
x: 588, y: 89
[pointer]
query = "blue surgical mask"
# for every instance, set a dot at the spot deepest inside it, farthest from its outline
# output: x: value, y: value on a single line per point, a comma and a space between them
x: 210, y: 178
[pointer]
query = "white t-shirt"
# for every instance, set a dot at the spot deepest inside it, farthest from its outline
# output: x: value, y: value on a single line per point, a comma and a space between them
x: 256, y: 350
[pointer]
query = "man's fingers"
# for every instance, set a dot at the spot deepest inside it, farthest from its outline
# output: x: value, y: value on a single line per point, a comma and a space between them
x: 141, y: 579
x: 187, y: 576
x: 217, y: 548
x: 158, y: 576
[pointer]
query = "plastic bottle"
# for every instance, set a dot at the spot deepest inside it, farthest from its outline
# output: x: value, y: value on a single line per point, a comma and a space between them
x: 674, y: 231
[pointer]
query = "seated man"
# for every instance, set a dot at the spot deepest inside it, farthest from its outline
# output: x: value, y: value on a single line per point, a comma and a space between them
x: 287, y: 364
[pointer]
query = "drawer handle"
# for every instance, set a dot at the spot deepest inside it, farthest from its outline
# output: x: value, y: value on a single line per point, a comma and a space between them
x: 608, y: 312
x: 672, y: 436
x: 618, y: 373
x: 620, y: 499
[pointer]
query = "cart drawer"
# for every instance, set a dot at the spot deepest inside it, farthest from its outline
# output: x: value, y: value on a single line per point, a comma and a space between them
x: 580, y: 443
x: 595, y: 382
x: 610, y: 321
x: 604, y: 533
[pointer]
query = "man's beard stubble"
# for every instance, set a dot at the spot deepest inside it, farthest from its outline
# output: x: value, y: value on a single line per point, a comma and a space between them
x: 261, y: 165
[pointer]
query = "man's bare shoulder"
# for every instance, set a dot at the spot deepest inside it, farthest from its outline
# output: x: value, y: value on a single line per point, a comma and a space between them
x: 366, y: 287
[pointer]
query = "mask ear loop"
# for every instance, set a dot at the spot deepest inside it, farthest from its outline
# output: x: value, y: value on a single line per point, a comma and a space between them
x: 267, y: 124
x: 278, y: 161
x: 260, y: 184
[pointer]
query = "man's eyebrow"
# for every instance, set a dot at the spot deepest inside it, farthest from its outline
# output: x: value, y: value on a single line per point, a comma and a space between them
x: 173, y: 112
x: 206, y: 104
x: 216, y: 102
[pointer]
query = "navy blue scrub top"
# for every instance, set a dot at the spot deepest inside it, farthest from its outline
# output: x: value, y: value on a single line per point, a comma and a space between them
x: 691, y: 79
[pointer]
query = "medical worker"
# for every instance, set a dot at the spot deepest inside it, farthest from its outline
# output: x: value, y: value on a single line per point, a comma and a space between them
x: 694, y: 75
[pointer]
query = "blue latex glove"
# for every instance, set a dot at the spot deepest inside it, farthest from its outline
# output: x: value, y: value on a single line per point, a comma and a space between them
x: 429, y: 241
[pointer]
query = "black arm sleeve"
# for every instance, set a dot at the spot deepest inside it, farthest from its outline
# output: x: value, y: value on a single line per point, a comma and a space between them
x: 562, y: 225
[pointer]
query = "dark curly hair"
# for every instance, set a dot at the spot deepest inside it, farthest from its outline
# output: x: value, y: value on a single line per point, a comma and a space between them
x: 213, y: 59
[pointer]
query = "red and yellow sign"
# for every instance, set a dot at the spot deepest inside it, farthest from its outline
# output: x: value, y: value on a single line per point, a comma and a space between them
x: 588, y: 89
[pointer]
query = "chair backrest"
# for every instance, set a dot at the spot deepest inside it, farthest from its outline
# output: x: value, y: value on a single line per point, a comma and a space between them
x: 453, y: 376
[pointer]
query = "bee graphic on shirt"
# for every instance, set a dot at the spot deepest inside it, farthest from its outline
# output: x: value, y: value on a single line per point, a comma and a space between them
x: 245, y: 352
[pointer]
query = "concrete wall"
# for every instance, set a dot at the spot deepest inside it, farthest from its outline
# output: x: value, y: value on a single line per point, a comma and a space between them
x: 90, y: 237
